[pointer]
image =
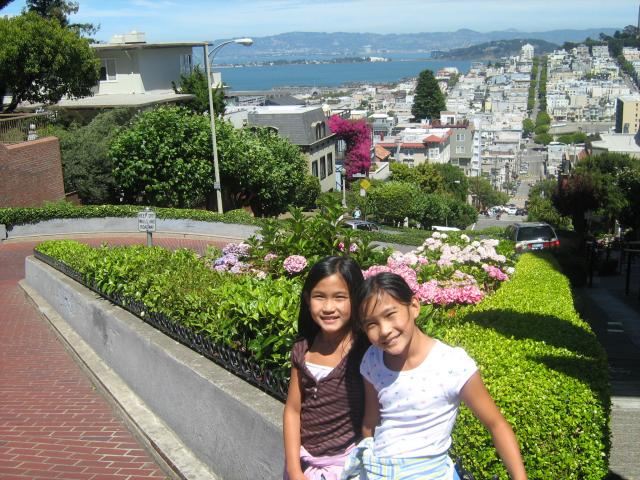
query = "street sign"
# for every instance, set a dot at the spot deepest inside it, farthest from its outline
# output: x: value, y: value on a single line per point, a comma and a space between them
x: 359, y: 175
x: 147, y: 220
x: 366, y: 184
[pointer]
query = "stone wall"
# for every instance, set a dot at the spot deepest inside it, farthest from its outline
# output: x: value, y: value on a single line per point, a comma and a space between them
x: 31, y: 173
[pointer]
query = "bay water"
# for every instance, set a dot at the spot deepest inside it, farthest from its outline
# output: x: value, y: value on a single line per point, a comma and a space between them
x: 330, y: 74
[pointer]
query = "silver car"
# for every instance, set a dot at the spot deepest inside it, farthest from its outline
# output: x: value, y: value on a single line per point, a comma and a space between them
x: 533, y: 236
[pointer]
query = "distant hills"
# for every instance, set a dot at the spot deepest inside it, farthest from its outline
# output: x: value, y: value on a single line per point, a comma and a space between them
x: 496, y: 49
x: 332, y: 45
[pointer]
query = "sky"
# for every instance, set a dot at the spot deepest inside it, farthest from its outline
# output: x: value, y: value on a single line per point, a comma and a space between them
x: 197, y: 20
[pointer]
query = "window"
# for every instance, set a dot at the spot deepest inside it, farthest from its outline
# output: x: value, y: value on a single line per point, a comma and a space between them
x: 321, y: 130
x: 186, y: 64
x: 329, y: 163
x: 323, y: 168
x: 459, y: 148
x: 108, y: 70
x: 314, y: 168
x: 434, y: 153
x: 460, y: 137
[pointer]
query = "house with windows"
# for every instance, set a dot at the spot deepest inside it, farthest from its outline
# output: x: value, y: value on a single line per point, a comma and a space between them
x: 135, y: 73
x: 306, y: 127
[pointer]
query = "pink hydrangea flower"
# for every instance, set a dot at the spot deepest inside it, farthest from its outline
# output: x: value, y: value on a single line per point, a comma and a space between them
x: 353, y: 248
x: 295, y: 263
x: 270, y: 256
x: 341, y: 246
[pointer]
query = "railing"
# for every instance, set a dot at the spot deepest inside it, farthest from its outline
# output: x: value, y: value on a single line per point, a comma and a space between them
x: 626, y: 253
x: 238, y: 363
x: 14, y: 127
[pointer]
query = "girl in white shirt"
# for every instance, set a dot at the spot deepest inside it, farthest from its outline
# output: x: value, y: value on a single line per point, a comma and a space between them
x: 413, y: 387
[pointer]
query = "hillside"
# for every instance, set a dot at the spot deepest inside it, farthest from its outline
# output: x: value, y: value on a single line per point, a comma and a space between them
x: 332, y: 45
x: 496, y: 49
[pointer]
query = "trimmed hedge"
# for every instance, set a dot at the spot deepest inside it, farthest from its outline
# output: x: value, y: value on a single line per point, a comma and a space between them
x: 540, y: 361
x: 546, y: 371
x: 21, y: 216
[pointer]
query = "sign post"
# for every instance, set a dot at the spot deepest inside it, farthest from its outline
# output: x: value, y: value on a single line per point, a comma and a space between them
x: 147, y: 223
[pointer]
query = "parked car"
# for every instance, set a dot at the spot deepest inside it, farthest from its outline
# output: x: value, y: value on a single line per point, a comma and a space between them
x: 533, y: 236
x: 440, y: 228
x: 522, y: 212
x: 361, y: 225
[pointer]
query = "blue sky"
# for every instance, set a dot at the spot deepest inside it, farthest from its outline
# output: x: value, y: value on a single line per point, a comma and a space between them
x: 195, y: 20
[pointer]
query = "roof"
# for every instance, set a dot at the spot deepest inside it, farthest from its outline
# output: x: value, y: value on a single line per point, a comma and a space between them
x: 124, y: 100
x: 382, y: 152
x: 617, y: 142
x: 294, y: 122
x: 433, y: 139
x: 139, y: 45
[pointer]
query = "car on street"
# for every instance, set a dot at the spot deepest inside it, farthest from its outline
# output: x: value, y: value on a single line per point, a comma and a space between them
x: 360, y: 225
x: 533, y: 236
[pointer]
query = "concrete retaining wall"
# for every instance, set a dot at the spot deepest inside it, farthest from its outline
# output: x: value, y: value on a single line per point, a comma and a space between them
x: 229, y: 425
x: 66, y: 226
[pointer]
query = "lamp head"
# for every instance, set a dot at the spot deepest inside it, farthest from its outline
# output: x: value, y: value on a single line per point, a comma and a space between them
x: 247, y: 42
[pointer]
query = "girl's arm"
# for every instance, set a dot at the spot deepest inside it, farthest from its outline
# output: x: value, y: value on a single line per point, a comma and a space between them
x: 475, y: 395
x: 371, y: 410
x: 291, y: 423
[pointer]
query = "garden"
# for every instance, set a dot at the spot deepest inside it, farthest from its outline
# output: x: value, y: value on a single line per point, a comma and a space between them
x: 514, y: 315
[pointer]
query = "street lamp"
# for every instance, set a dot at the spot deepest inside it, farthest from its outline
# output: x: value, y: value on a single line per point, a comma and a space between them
x: 208, y: 60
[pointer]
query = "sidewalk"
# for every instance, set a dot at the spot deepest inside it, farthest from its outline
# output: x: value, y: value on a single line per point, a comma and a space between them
x: 615, y: 318
x: 53, y: 422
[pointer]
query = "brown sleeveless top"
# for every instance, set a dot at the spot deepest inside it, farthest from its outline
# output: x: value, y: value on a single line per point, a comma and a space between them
x: 333, y: 407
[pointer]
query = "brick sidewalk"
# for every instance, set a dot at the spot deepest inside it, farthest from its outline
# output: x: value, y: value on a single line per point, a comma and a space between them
x: 53, y: 424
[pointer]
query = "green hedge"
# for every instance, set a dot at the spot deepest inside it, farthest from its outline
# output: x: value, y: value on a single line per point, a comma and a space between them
x: 21, y: 216
x: 546, y: 371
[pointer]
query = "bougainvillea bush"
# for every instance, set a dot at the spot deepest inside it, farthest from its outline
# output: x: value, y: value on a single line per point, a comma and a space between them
x: 357, y: 135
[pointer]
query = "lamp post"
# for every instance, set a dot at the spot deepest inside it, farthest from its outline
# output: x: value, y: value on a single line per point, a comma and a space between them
x: 247, y: 42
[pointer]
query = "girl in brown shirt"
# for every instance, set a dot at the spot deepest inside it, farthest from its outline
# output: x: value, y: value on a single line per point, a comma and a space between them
x: 324, y: 408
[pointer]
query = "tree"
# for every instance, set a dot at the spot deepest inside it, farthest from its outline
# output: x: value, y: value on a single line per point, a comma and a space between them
x: 60, y: 10
x: 196, y: 84
x: 164, y: 159
x: 393, y: 201
x: 543, y: 139
x: 429, y: 100
x: 357, y: 136
x: 4, y: 3
x: 424, y: 175
x: 86, y: 164
x: 455, y: 182
x: 40, y: 61
x: 528, y: 126
x: 260, y: 169
x: 484, y: 193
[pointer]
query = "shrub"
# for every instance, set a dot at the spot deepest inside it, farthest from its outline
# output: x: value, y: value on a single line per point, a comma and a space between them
x: 546, y: 371
x: 26, y: 215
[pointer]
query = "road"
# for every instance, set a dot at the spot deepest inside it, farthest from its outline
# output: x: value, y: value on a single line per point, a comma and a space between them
x: 586, y: 127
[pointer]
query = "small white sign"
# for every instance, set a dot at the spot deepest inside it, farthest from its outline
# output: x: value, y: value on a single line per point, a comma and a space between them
x: 147, y: 221
x: 359, y: 175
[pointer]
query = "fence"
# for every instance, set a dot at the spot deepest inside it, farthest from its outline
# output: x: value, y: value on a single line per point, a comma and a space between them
x: 14, y: 127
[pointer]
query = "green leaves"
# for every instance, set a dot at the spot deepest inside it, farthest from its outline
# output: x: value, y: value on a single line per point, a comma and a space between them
x: 164, y: 159
x: 41, y: 61
x: 429, y: 99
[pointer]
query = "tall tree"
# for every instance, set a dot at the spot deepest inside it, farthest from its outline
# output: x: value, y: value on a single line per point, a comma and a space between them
x: 4, y: 3
x: 40, y: 61
x: 429, y: 99
x: 60, y: 10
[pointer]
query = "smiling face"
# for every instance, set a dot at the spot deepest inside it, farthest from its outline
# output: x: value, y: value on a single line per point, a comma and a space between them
x: 390, y: 324
x: 330, y: 305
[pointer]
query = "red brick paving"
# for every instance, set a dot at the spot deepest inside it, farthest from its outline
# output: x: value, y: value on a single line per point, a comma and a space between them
x: 53, y: 423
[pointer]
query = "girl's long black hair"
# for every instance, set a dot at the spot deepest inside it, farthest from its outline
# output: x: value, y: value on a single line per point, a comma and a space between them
x: 350, y: 272
x: 385, y: 282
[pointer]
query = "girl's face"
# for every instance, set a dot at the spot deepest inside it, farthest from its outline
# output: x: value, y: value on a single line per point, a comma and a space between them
x: 389, y: 324
x: 330, y: 304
